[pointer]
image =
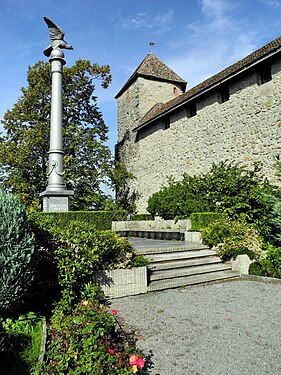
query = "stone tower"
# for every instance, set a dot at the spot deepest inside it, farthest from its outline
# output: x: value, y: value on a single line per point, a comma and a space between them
x: 151, y: 84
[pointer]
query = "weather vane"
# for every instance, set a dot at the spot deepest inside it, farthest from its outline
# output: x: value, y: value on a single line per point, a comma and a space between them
x: 56, y: 38
x: 151, y: 45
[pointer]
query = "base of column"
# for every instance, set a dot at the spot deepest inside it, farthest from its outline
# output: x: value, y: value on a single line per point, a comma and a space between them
x: 56, y: 201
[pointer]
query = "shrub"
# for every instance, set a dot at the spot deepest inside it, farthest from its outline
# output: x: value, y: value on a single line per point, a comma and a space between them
x: 272, y: 220
x: 233, y: 238
x: 216, y: 232
x: 228, y: 188
x: 17, y: 246
x: 87, y: 340
x: 248, y: 243
x: 200, y: 220
x: 80, y: 250
x: 270, y: 265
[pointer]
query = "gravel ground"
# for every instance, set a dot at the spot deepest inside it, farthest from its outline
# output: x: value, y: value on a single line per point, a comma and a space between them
x: 229, y: 328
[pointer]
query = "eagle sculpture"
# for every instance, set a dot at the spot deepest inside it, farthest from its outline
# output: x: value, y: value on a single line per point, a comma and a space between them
x: 56, y: 38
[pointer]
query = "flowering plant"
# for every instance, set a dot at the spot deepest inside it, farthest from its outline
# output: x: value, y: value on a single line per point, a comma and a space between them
x: 88, y: 329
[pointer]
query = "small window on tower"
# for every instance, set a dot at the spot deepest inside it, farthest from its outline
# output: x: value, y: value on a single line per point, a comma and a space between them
x: 224, y: 94
x: 264, y: 73
x: 167, y: 122
x: 192, y: 109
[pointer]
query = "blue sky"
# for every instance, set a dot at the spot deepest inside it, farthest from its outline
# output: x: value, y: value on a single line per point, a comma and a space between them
x: 196, y: 38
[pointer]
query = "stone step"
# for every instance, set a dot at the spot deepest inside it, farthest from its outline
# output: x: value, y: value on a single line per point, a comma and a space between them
x: 191, y: 280
x: 188, y: 271
x: 184, y: 263
x: 166, y: 257
x: 176, y: 248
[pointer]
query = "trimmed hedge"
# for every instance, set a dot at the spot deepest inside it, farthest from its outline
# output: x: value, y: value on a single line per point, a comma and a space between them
x: 100, y: 220
x: 200, y: 220
x: 142, y: 217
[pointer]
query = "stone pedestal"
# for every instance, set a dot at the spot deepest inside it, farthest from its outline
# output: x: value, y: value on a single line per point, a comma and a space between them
x: 53, y: 202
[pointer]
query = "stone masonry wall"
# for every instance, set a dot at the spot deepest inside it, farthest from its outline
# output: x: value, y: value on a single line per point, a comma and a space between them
x: 139, y: 98
x: 246, y: 128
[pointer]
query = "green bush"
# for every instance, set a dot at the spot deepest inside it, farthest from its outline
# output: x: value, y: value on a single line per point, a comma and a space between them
x: 87, y: 340
x: 270, y: 265
x: 233, y: 238
x: 216, y: 232
x: 80, y: 250
x: 228, y: 188
x: 272, y: 220
x: 200, y: 220
x: 17, y: 247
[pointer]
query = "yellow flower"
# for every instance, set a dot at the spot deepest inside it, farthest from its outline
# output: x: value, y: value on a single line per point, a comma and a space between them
x: 85, y: 303
x: 135, y: 369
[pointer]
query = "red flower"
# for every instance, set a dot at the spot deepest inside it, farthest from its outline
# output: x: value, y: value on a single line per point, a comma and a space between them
x: 140, y: 363
x: 133, y: 359
x: 114, y: 312
x: 111, y: 351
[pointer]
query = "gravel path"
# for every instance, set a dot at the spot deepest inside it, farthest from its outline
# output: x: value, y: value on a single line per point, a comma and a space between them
x: 229, y: 328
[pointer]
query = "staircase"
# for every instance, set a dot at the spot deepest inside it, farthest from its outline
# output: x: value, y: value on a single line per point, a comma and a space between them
x: 177, y: 263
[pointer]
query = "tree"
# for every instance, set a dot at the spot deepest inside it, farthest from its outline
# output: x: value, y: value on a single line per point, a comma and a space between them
x: 24, y: 146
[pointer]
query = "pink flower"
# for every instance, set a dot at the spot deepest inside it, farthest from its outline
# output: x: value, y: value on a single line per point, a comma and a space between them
x: 133, y: 359
x: 140, y: 363
x: 111, y: 351
x: 114, y: 312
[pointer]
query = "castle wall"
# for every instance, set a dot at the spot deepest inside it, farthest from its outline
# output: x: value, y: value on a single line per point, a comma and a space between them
x: 246, y: 128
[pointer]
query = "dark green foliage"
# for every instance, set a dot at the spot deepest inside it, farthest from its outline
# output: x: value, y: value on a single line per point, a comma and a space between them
x: 232, y: 238
x: 80, y: 339
x: 200, y: 220
x: 125, y: 198
x: 100, y: 220
x: 24, y: 146
x: 80, y: 249
x: 17, y: 247
x: 178, y: 200
x: 271, y: 223
x: 23, y: 344
x: 270, y: 265
x: 216, y: 232
x: 228, y: 188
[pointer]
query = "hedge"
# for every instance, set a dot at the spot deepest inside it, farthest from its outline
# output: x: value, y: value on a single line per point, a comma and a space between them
x: 200, y: 220
x: 142, y: 217
x: 101, y: 220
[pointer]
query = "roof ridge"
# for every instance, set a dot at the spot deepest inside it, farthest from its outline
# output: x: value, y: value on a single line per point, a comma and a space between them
x: 243, y: 63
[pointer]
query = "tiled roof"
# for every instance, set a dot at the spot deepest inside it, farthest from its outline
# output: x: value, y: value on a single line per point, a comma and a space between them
x: 265, y: 51
x: 152, y: 67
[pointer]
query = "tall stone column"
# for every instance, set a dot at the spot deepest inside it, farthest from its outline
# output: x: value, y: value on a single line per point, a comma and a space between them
x: 56, y: 197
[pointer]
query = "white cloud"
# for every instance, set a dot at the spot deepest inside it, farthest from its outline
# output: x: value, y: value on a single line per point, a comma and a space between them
x: 160, y: 22
x: 216, y: 40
